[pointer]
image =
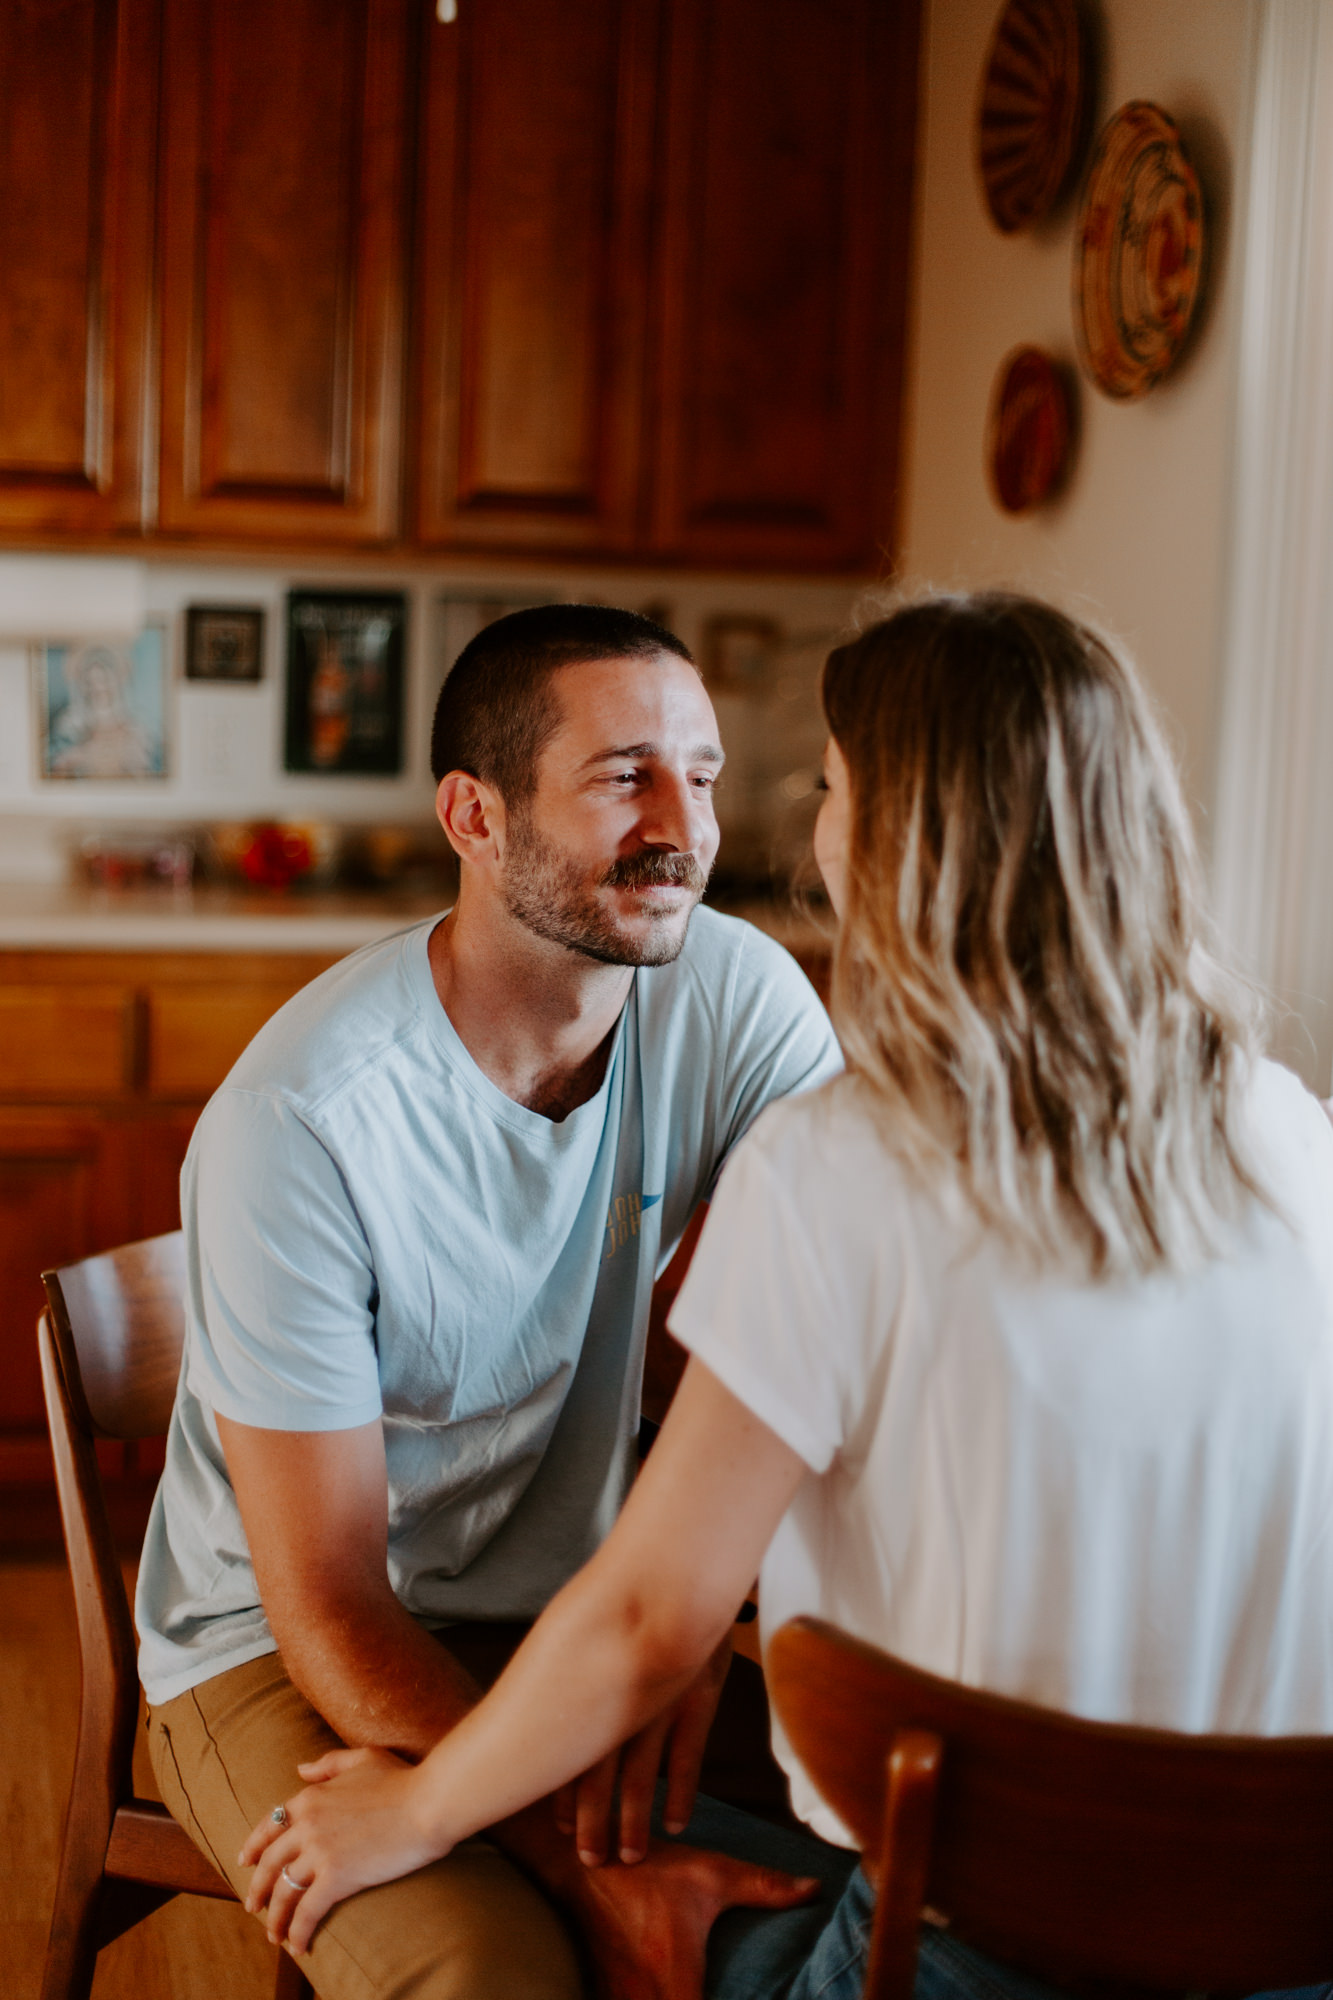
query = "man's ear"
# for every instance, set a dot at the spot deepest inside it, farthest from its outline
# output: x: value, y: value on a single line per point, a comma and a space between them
x: 472, y: 814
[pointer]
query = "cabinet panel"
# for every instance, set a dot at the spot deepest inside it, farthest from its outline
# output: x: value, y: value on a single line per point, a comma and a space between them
x: 64, y: 1193
x: 78, y: 81
x: 282, y: 267
x: 66, y: 1042
x: 537, y: 136
x: 161, y: 1143
x: 195, y: 1035
x: 81, y: 1173
x: 787, y: 186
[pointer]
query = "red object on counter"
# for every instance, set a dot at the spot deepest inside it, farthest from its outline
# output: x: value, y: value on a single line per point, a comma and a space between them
x: 275, y: 857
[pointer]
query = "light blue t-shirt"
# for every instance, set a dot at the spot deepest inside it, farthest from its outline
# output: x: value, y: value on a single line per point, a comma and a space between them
x: 373, y: 1229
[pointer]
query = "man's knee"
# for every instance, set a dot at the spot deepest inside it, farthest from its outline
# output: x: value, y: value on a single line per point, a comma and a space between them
x: 468, y: 1928
x: 471, y: 1927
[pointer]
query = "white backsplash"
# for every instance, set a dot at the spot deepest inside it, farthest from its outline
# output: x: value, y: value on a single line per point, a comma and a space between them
x: 225, y: 741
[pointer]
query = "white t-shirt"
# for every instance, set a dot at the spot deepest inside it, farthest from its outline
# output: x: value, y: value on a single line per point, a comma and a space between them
x: 374, y: 1231
x: 1115, y: 1500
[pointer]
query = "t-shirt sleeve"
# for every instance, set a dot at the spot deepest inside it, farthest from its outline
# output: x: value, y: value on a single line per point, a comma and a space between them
x: 757, y: 1307
x: 780, y: 1040
x: 280, y: 1287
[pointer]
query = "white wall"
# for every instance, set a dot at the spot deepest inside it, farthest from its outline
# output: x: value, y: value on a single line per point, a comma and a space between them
x: 1140, y: 538
x: 226, y: 741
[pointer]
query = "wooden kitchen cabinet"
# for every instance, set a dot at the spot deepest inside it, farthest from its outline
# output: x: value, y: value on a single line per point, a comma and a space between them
x: 106, y: 1060
x: 65, y: 1191
x: 662, y: 277
x: 284, y: 218
x: 786, y: 184
x: 78, y: 138
x: 533, y: 265
x: 652, y: 256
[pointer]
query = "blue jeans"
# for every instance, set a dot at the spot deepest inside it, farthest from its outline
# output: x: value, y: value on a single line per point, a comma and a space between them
x: 819, y: 1952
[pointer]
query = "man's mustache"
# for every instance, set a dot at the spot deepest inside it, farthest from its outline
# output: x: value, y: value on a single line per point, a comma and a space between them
x: 650, y: 870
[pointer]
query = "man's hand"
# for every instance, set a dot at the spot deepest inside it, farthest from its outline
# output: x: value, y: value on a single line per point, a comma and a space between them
x: 647, y: 1927
x: 585, y: 1807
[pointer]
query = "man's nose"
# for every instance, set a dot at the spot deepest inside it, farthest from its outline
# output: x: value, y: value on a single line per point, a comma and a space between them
x: 671, y: 815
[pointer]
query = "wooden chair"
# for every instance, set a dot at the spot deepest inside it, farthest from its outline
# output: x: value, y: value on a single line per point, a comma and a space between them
x: 1095, y: 1856
x: 110, y: 1346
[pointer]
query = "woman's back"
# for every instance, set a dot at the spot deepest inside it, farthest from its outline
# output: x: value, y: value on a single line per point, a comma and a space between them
x: 1109, y: 1497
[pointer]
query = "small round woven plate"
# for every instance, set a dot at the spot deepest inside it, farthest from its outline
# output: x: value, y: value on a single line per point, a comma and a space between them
x: 1033, y: 114
x: 1029, y: 431
x: 1138, y: 253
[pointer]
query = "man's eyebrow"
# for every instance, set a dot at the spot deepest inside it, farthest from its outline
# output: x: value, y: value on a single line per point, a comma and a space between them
x: 702, y: 753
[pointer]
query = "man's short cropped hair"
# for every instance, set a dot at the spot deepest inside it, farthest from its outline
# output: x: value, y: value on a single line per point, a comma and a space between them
x: 497, y: 708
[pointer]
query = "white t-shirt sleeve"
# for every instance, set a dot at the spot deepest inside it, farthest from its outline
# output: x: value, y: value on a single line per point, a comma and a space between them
x: 281, y: 1290
x: 760, y: 1308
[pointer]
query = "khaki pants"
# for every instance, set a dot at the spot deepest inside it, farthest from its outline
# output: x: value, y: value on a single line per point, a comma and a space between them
x: 470, y: 1927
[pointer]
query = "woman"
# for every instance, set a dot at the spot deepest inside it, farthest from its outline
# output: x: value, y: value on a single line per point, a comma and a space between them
x: 1013, y: 1348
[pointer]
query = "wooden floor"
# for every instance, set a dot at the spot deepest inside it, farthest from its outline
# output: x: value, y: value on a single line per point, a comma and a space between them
x: 191, y: 1949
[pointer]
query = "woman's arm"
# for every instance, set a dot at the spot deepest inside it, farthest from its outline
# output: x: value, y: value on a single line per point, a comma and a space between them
x: 622, y: 1640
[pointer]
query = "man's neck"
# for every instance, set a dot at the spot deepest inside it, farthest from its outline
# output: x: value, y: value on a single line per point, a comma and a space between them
x: 535, y: 1017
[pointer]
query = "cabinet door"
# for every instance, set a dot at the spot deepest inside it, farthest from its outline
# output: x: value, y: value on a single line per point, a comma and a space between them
x: 532, y: 258
x: 783, y: 281
x: 195, y: 1034
x: 161, y: 1142
x: 78, y: 121
x: 282, y: 268
x: 65, y: 1192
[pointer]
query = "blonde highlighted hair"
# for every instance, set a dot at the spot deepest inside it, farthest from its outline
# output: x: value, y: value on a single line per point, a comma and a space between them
x: 1021, y: 974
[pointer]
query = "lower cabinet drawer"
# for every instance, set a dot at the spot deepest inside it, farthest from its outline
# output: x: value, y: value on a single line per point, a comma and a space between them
x: 196, y: 1033
x: 69, y: 1042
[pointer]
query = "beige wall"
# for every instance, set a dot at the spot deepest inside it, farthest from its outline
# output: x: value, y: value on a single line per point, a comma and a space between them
x: 1140, y: 537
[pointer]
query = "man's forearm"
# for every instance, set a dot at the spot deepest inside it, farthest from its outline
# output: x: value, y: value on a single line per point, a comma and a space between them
x: 379, y: 1680
x: 313, y: 1505
x: 374, y: 1675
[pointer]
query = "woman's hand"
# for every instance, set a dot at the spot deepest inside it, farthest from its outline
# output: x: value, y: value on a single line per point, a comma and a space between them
x: 362, y: 1820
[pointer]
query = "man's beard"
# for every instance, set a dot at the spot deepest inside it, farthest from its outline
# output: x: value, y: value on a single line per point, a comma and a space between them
x: 550, y: 894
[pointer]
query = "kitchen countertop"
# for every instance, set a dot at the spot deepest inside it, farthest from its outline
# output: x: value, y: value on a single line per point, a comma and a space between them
x: 36, y: 917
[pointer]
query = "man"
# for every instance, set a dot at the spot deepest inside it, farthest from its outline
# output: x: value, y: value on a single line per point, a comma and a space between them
x: 423, y: 1219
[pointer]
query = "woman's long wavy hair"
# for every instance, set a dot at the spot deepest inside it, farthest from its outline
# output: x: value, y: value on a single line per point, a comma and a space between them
x: 1021, y: 974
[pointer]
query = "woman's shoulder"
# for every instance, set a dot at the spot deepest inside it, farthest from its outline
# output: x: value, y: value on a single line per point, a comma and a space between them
x: 831, y: 1132
x: 1283, y: 1113
x: 1291, y: 1136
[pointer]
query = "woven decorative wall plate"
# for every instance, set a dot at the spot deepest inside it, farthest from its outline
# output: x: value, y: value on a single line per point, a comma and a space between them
x: 1138, y: 253
x: 1029, y: 433
x: 1033, y: 115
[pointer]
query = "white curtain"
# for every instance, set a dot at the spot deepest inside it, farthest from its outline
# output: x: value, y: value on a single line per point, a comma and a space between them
x: 1273, y: 844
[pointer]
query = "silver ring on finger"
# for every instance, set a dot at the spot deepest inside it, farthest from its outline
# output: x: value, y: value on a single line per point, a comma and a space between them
x: 279, y: 1815
x: 292, y: 1883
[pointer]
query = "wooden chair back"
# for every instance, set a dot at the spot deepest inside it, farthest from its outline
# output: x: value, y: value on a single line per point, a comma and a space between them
x: 110, y: 1346
x: 1085, y: 1853
x: 119, y: 1328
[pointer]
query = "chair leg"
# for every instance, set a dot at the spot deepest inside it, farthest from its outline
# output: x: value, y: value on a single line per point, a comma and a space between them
x: 71, y: 1948
x: 291, y: 1983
